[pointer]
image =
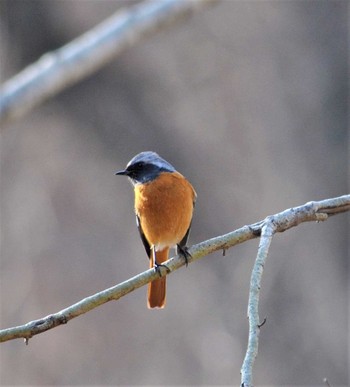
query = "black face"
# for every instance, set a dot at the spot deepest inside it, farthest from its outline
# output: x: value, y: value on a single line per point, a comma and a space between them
x: 141, y: 172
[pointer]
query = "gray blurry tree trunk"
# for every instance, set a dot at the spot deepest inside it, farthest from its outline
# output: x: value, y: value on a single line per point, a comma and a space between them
x: 62, y: 68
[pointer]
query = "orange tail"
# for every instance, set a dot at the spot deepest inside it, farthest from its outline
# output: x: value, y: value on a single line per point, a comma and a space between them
x: 157, y: 288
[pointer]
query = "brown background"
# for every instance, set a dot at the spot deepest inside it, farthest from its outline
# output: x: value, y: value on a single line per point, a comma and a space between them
x: 246, y: 99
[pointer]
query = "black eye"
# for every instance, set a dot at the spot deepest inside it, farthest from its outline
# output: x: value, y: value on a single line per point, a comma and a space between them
x: 136, y: 168
x: 139, y: 165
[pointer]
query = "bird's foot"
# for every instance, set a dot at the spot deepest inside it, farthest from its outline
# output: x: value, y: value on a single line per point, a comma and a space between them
x: 157, y: 267
x: 183, y: 250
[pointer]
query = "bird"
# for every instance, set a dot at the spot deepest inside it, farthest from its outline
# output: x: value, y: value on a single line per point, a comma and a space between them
x: 164, y: 205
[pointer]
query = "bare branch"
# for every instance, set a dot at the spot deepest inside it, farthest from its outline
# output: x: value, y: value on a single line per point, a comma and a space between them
x: 318, y: 211
x: 59, y: 69
x: 312, y: 211
x: 267, y: 232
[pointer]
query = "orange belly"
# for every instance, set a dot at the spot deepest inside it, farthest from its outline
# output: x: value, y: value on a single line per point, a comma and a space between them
x: 165, y: 208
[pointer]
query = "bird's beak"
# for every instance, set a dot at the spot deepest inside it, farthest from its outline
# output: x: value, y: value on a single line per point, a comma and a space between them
x: 124, y: 172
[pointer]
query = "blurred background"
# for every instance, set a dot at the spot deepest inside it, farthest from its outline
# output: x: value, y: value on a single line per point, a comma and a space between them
x: 249, y: 101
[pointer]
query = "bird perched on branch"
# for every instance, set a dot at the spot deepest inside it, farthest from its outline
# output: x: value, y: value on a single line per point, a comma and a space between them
x: 164, y: 204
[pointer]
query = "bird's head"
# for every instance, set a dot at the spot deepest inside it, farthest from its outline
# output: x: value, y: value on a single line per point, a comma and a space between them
x: 145, y: 167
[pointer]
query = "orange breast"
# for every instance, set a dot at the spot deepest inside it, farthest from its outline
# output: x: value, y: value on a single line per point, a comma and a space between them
x: 165, y: 208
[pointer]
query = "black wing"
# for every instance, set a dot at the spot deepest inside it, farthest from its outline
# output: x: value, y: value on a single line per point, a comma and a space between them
x: 183, y: 242
x: 143, y: 238
x: 184, y: 239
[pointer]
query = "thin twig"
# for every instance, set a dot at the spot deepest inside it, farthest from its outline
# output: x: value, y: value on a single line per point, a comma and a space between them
x: 267, y: 233
x: 313, y: 211
x: 318, y: 211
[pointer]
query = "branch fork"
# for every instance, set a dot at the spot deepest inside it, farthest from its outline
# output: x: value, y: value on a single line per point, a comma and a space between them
x: 265, y: 229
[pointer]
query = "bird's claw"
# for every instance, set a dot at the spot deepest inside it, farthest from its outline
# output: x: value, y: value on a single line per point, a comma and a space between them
x: 157, y: 267
x: 183, y: 250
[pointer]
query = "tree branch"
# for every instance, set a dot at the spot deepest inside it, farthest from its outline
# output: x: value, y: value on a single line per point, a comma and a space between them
x: 318, y: 211
x: 267, y: 231
x: 59, y: 69
x: 312, y: 211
